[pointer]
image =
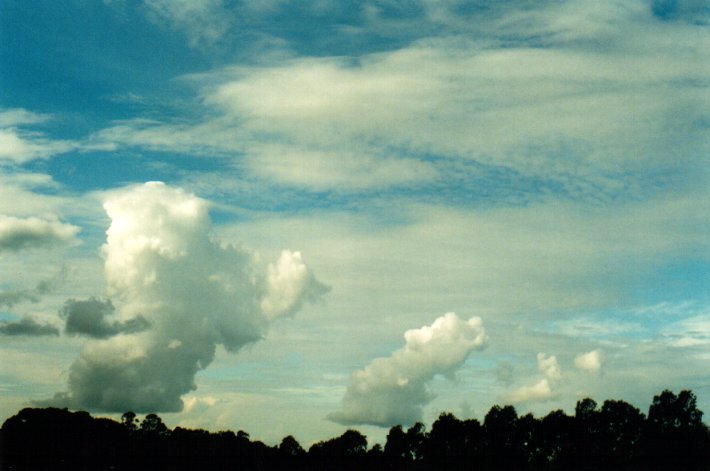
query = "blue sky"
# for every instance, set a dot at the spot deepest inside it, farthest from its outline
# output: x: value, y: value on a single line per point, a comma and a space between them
x: 336, y: 174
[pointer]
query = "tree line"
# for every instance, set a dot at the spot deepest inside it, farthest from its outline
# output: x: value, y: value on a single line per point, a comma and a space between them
x: 615, y: 435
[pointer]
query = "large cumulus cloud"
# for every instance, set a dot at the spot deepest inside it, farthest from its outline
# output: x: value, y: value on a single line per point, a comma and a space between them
x: 193, y: 293
x: 394, y: 390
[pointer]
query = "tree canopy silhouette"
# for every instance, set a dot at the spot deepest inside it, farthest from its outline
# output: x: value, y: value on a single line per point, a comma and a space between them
x: 616, y: 435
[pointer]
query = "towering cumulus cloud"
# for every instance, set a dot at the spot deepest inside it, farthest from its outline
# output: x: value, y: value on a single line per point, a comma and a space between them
x: 190, y: 293
x: 394, y: 390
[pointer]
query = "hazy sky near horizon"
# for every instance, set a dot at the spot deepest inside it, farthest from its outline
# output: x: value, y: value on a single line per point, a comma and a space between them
x: 297, y: 217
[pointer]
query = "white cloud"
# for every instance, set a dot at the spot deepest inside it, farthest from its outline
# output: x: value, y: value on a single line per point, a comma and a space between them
x: 692, y: 331
x: 395, y: 389
x: 567, y: 113
x: 19, y: 116
x: 590, y: 361
x: 161, y: 265
x: 19, y: 147
x: 25, y: 233
x: 203, y: 21
x: 289, y: 284
x: 333, y: 170
x: 540, y: 391
x: 26, y: 194
x: 548, y: 366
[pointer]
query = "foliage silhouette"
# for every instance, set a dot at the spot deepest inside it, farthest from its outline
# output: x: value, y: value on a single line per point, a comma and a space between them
x: 615, y: 436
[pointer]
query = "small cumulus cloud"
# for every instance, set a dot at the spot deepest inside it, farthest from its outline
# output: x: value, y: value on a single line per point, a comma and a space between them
x: 89, y: 317
x: 163, y: 268
x: 540, y: 391
x: 590, y: 361
x: 27, y: 327
x: 25, y: 233
x: 548, y: 366
x: 543, y: 389
x: 395, y: 389
x: 289, y: 284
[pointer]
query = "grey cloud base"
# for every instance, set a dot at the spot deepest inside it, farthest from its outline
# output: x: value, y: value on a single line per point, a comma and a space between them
x: 89, y: 318
x: 28, y: 327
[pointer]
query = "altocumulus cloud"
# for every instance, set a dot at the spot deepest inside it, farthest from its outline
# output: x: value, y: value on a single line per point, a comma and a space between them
x: 162, y: 266
x: 394, y: 390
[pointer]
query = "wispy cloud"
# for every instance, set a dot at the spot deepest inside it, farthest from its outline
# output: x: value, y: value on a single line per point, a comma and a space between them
x: 19, y: 145
x: 32, y: 295
x: 593, y: 123
x: 10, y: 117
x: 202, y: 21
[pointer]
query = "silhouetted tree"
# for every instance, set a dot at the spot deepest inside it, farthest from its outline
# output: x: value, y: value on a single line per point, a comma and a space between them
x: 290, y: 447
x: 616, y: 436
x: 556, y: 438
x: 397, y: 450
x: 674, y: 430
x: 130, y: 421
x: 527, y: 432
x: 152, y: 424
x: 446, y: 444
x: 621, y: 426
x: 344, y: 452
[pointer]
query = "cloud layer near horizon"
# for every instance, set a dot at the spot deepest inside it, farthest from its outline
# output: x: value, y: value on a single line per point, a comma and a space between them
x: 191, y: 293
x: 394, y: 390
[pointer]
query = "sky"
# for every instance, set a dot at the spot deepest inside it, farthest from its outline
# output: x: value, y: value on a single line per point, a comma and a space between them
x: 294, y: 218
